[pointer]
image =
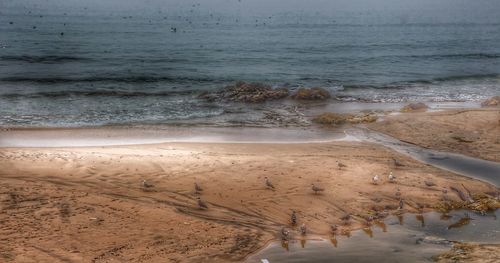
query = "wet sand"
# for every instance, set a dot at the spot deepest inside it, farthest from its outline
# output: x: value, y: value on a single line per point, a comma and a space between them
x: 472, y: 132
x: 85, y: 204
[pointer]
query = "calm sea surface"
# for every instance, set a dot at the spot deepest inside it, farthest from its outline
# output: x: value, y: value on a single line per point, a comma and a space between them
x: 97, y: 68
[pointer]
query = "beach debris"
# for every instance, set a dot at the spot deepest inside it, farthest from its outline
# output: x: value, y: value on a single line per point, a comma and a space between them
x: 197, y: 188
x: 461, y: 222
x: 375, y: 179
x: 311, y: 94
x: 268, y: 183
x: 303, y: 229
x: 201, y: 204
x: 401, y: 203
x: 246, y: 92
x: 293, y: 218
x: 491, y: 102
x: 412, y: 107
x: 397, y: 163
x: 392, y: 178
x: 429, y: 183
x: 340, y: 165
x: 146, y: 185
x: 264, y: 261
x: 316, y: 189
x: 284, y: 233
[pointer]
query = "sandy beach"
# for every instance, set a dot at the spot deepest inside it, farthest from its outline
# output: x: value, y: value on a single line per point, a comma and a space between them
x: 472, y: 132
x: 86, y: 204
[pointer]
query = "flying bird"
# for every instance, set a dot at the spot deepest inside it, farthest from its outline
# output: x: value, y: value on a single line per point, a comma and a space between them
x: 316, y: 189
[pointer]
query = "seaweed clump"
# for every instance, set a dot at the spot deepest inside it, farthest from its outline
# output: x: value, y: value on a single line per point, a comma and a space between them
x: 481, y: 203
x: 339, y: 119
x: 311, y: 94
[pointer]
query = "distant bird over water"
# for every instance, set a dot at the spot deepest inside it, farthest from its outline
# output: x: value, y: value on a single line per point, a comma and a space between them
x: 340, y: 165
x: 202, y: 204
x: 268, y: 183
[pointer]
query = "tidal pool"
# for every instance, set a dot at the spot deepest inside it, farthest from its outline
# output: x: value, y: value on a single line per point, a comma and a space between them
x: 408, y: 238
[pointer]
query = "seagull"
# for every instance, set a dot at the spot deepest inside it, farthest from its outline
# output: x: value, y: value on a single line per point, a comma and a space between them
x: 202, y: 204
x: 397, y: 163
x: 375, y: 179
x: 316, y: 189
x: 294, y: 218
x: 334, y: 229
x: 284, y: 233
x: 146, y: 185
x: 429, y: 183
x: 197, y: 188
x: 303, y: 229
x: 392, y: 178
x: 346, y: 218
x: 340, y: 165
x: 268, y: 183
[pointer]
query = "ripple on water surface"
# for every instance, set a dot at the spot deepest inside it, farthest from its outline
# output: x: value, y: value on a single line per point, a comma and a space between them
x: 409, y: 238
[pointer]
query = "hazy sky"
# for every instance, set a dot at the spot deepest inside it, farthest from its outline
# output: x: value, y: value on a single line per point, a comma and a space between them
x: 456, y: 10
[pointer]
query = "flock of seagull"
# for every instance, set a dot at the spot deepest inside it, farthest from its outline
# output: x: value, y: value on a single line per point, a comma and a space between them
x: 316, y: 190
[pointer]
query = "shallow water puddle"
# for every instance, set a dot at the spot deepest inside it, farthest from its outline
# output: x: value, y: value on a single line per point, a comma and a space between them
x: 487, y: 171
x: 410, y: 238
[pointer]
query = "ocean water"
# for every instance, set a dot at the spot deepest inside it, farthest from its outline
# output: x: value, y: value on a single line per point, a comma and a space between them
x: 82, y: 68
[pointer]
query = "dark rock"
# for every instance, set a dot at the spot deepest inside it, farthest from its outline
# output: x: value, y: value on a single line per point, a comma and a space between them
x: 311, y: 94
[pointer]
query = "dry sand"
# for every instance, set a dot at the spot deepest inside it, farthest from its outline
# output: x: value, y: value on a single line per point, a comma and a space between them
x: 85, y: 204
x: 473, y: 132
